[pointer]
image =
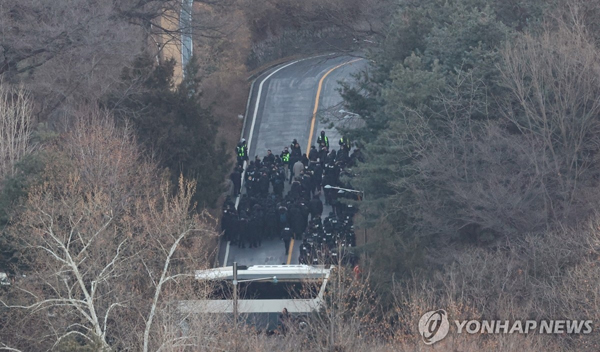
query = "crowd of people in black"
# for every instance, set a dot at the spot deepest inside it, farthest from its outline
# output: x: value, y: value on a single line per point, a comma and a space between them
x: 265, y: 212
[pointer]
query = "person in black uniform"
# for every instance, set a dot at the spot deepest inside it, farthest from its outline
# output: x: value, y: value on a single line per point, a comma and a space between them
x: 242, y: 228
x: 296, y: 220
x: 236, y: 179
x: 295, y: 148
x: 313, y: 154
x: 307, y: 184
x: 269, y: 159
x: 317, y: 177
x: 282, y: 218
x: 304, y: 160
x: 316, y: 207
x: 253, y: 228
x: 263, y: 184
x: 286, y: 236
x: 271, y: 222
x: 296, y: 189
x: 277, y: 180
x: 330, y: 159
x: 323, y: 151
x: 329, y: 179
x: 228, y: 223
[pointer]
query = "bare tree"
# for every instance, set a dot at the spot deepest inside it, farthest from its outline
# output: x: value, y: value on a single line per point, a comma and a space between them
x: 100, y: 261
x: 554, y: 81
x: 65, y: 52
x: 15, y: 127
x: 68, y: 53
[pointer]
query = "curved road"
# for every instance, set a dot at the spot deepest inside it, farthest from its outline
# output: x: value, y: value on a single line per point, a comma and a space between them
x: 286, y: 101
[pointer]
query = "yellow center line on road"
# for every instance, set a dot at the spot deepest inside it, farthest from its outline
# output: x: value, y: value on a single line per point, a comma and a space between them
x: 312, y: 130
x: 314, y: 116
x: 290, y: 252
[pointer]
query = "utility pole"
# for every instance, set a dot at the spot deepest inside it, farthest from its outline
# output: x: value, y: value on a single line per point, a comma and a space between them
x: 235, y: 307
x: 235, y: 295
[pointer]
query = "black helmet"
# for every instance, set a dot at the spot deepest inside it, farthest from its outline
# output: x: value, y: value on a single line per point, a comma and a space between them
x: 322, y: 133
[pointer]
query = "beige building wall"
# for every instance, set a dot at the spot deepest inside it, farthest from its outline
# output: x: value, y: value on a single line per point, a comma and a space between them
x: 170, y: 45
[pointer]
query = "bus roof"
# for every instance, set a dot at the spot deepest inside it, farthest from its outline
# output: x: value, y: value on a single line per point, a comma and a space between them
x: 283, y: 272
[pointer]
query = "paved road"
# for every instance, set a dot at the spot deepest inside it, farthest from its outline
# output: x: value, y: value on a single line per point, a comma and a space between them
x: 281, y: 109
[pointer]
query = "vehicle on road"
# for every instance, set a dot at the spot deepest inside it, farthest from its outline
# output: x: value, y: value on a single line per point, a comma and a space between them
x: 264, y: 291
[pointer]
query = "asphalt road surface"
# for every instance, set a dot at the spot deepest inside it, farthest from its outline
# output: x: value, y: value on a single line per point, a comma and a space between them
x: 287, y: 103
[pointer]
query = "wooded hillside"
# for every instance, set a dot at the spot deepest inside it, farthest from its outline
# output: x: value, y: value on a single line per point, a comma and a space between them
x: 481, y: 175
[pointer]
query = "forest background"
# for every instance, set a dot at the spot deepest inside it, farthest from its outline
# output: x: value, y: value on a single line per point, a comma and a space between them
x: 481, y: 137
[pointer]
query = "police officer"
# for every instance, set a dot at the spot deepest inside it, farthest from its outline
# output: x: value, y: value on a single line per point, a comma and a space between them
x: 271, y: 222
x: 330, y: 159
x: 242, y: 230
x: 242, y: 152
x: 317, y: 176
x: 344, y: 143
x: 282, y: 218
x: 236, y: 179
x: 297, y: 223
x: 277, y: 180
x: 250, y: 179
x: 286, y: 236
x: 304, y: 160
x: 316, y: 207
x: 328, y: 179
x: 295, y: 189
x: 263, y: 184
x: 306, y: 182
x: 323, y: 154
x: 227, y: 223
x: 285, y: 159
x: 255, y: 227
x: 313, y: 155
x: 323, y: 139
x: 344, y: 151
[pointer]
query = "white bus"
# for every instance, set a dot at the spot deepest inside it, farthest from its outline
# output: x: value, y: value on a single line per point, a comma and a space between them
x: 263, y: 292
